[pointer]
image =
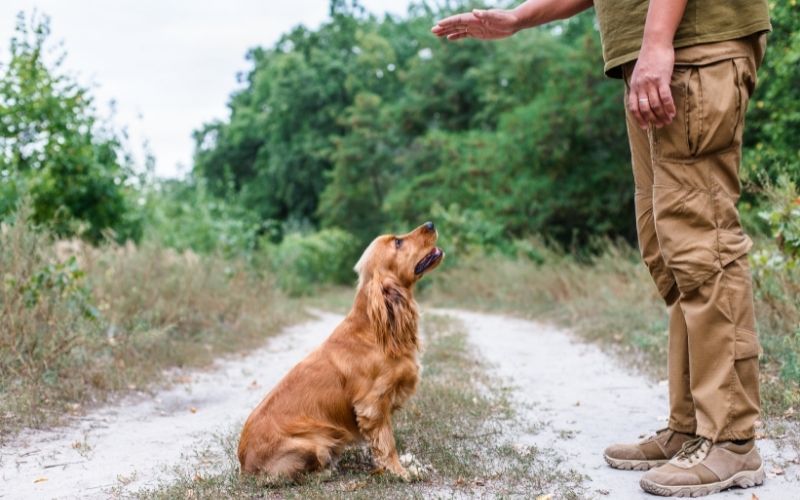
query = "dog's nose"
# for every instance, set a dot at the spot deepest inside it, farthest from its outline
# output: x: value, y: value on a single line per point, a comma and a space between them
x: 429, y: 226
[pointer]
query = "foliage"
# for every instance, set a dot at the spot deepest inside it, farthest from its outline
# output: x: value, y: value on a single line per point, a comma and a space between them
x: 303, y: 262
x: 384, y: 123
x: 783, y: 217
x: 183, y: 215
x: 53, y: 148
x: 773, y: 129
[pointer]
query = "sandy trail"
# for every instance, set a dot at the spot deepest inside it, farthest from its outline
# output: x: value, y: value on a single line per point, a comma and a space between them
x: 133, y: 444
x: 576, y: 398
x: 579, y: 400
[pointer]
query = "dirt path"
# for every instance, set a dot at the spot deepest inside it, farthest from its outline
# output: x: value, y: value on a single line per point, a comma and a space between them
x: 578, y: 400
x: 133, y: 444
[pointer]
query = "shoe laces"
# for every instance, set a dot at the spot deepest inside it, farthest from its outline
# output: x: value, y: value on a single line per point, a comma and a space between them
x: 692, y: 450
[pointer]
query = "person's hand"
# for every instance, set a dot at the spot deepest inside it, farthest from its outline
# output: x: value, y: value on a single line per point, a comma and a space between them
x: 650, y: 98
x: 481, y: 24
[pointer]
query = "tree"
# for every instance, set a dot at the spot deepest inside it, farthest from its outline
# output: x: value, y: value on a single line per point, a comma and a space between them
x: 362, y: 173
x: 53, y: 149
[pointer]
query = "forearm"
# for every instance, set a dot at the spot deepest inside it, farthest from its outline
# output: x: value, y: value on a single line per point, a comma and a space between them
x: 663, y: 18
x: 537, y: 12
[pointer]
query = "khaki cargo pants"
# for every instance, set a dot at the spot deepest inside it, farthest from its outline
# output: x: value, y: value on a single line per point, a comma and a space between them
x: 687, y: 185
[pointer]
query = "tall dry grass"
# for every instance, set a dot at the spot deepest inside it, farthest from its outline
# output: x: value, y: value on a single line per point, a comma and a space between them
x: 79, y: 323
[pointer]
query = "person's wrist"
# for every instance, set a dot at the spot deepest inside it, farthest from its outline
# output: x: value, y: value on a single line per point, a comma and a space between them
x: 657, y: 42
x: 522, y: 19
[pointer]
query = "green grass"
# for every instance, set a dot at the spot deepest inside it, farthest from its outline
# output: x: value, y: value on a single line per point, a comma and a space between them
x: 457, y: 427
x: 611, y: 300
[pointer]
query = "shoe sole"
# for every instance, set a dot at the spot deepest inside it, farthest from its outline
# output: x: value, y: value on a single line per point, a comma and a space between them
x: 623, y: 464
x: 743, y: 479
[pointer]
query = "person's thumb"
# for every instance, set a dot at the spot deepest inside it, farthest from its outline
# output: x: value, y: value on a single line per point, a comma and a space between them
x: 487, y: 16
x: 482, y: 15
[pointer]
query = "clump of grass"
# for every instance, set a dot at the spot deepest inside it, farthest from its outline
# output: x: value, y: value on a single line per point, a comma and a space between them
x: 79, y: 323
x: 456, y: 427
x: 611, y: 299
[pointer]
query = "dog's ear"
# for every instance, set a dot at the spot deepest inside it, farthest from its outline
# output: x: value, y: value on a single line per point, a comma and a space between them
x: 393, y: 314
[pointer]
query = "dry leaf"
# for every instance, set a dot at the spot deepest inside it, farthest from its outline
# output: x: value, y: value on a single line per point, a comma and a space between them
x: 754, y: 497
x: 777, y: 470
x: 546, y: 496
x: 193, y: 409
x: 40, y: 479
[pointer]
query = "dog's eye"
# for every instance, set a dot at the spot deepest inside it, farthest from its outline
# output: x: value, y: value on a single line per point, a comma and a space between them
x: 398, y: 242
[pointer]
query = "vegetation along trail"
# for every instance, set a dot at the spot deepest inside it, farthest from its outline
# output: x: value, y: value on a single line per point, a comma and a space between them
x: 573, y: 398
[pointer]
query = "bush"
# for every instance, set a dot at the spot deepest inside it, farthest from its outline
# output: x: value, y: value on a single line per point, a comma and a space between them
x: 301, y: 262
x: 183, y: 215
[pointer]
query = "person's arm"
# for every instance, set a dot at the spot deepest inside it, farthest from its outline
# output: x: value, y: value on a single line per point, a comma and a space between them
x: 499, y: 23
x: 650, y: 98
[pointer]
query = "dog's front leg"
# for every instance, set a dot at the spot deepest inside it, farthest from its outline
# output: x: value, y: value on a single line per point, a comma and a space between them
x: 375, y: 423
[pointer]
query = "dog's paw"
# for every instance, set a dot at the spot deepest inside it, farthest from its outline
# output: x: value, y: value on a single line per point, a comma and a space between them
x: 397, y: 471
x: 415, y: 468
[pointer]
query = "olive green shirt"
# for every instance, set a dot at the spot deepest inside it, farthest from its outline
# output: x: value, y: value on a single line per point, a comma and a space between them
x: 704, y: 21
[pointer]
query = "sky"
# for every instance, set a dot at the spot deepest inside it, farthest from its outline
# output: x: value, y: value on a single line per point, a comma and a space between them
x: 169, y: 65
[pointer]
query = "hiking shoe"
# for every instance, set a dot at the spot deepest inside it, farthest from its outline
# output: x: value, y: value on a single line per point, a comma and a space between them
x: 652, y: 452
x: 702, y: 467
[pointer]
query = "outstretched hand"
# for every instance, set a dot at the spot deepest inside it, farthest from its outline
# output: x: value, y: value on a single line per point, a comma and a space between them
x: 481, y: 24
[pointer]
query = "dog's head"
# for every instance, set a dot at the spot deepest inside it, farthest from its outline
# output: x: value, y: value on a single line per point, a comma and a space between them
x: 404, y: 258
x: 387, y: 271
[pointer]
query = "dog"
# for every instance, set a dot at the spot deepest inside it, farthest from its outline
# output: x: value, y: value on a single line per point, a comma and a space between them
x: 347, y: 389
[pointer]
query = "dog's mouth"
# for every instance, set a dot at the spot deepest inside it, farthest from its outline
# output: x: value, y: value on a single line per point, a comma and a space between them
x: 429, y: 261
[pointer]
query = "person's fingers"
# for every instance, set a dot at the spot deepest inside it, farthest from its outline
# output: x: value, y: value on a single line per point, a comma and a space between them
x: 656, y: 106
x: 450, y: 31
x: 666, y: 99
x: 458, y: 36
x: 633, y: 108
x: 458, y: 20
x: 644, y: 109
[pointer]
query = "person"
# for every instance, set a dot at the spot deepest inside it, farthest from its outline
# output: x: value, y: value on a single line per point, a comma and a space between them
x: 689, y: 68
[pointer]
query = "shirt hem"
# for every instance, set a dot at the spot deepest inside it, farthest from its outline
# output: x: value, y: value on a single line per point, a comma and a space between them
x: 612, y: 67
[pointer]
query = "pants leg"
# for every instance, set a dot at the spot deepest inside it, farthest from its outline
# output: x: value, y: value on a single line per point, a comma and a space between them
x: 695, y: 189
x: 682, y: 412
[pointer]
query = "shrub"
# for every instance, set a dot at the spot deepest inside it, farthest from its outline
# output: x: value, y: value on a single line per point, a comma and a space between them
x: 301, y: 262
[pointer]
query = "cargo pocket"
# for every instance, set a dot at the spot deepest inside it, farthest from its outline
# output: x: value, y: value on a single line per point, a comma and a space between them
x: 716, y: 104
x: 673, y: 141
